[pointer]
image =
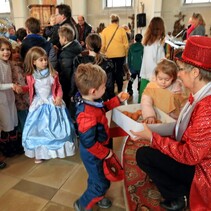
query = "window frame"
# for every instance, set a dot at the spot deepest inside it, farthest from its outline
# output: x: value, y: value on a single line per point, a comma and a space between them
x: 116, y: 7
x: 196, y: 3
x: 4, y: 4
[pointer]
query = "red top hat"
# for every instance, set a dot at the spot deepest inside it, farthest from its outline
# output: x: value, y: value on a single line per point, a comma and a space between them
x: 197, y: 52
x: 113, y: 169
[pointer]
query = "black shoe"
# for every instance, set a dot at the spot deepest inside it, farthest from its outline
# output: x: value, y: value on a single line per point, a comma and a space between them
x: 78, y: 207
x: 175, y: 205
x: 2, y: 165
x: 105, y: 203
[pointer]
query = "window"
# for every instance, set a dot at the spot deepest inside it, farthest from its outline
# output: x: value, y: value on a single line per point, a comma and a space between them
x: 5, y: 6
x: 118, y: 3
x: 196, y: 1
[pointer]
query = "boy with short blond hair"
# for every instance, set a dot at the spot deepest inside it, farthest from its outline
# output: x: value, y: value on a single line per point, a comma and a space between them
x: 70, y: 49
x: 93, y: 133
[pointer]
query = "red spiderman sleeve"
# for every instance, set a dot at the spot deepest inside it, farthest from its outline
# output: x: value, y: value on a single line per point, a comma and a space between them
x: 99, y: 150
x: 87, y: 126
x: 112, y: 103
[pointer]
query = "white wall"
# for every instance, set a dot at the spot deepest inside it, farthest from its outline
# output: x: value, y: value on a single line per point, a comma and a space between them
x: 95, y: 13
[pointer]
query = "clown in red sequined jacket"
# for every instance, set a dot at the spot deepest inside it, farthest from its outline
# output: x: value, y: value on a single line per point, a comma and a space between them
x: 194, y: 149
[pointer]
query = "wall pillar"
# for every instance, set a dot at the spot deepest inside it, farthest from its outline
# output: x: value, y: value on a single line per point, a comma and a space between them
x: 19, y: 15
x: 79, y: 7
x: 152, y: 8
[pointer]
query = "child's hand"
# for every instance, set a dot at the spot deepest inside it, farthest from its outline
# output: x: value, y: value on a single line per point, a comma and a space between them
x: 17, y: 88
x: 58, y: 101
x: 150, y: 120
x: 123, y: 96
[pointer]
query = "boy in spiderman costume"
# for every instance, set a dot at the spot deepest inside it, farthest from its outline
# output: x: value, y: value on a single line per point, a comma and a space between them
x: 93, y: 133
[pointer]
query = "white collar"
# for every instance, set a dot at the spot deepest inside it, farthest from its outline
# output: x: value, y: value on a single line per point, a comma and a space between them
x: 66, y: 45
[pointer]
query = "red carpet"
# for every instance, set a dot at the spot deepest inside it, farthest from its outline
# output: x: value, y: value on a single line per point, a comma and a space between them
x: 142, y: 195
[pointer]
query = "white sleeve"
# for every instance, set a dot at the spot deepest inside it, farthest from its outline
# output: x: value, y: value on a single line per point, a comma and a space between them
x: 6, y: 86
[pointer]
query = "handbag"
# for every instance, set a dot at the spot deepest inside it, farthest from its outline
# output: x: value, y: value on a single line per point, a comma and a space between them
x: 111, y: 39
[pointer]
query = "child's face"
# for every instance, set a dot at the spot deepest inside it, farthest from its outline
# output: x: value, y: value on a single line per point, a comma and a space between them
x: 53, y: 21
x: 41, y: 63
x: 5, y: 52
x: 62, y: 40
x: 98, y: 93
x: 16, y: 54
x: 163, y: 80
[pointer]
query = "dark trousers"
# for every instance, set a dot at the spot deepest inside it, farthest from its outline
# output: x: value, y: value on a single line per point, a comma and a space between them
x: 97, y: 183
x: 131, y: 80
x: 118, y: 71
x: 173, y: 179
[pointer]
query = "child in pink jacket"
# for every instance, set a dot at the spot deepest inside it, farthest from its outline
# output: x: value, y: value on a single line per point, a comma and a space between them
x: 48, y: 131
x: 164, y: 92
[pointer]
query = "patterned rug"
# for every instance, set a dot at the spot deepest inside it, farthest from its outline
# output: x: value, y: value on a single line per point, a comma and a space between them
x: 141, y: 193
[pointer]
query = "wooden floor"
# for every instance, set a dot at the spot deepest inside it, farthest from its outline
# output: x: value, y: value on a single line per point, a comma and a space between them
x: 52, y: 185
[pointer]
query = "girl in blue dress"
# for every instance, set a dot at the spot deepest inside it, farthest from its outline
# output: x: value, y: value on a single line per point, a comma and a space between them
x: 48, y: 131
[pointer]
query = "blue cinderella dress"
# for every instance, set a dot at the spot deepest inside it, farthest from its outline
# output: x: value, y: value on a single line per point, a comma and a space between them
x: 48, y: 130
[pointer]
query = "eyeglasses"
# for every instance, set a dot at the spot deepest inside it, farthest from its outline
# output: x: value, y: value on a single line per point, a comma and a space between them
x: 180, y: 68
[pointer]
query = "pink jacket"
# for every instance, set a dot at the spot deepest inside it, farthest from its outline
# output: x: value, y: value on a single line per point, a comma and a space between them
x: 56, y: 87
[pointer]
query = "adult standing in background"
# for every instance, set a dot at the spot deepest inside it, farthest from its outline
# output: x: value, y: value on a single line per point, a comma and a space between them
x: 83, y: 30
x: 153, y: 42
x: 197, y: 26
x: 63, y: 17
x: 115, y: 46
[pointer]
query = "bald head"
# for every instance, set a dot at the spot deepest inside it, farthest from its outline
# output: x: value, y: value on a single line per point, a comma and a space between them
x: 81, y: 20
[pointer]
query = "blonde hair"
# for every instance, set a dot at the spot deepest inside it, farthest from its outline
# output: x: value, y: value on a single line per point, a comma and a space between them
x: 32, y: 55
x: 199, y: 18
x: 88, y: 76
x: 53, y: 16
x: 67, y: 32
x: 52, y: 19
x: 155, y: 31
x: 114, y: 18
x: 168, y: 67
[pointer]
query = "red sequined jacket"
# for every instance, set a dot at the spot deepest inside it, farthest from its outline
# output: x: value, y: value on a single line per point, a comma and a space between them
x: 194, y: 149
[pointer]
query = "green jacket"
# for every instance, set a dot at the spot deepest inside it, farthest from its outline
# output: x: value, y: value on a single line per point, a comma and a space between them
x: 135, y: 55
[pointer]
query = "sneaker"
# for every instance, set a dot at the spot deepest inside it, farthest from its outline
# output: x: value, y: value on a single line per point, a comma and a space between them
x: 2, y: 165
x: 78, y: 207
x: 105, y: 203
x: 37, y: 161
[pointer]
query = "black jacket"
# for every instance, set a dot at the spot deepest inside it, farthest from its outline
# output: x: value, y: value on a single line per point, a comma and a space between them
x: 65, y: 66
x: 106, y: 65
x: 87, y: 30
x: 32, y: 40
x: 55, y: 37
